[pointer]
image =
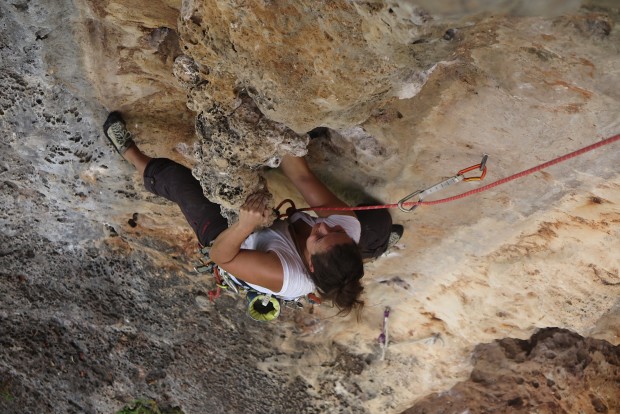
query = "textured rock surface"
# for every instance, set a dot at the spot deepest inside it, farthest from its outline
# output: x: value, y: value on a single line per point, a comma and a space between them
x: 556, y: 371
x: 301, y: 63
x: 308, y: 63
x: 234, y: 146
x: 96, y: 312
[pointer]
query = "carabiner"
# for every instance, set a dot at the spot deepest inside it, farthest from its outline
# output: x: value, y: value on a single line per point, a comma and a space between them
x: 482, y: 167
x: 423, y: 193
x: 289, y: 211
x: 445, y: 183
x: 410, y: 196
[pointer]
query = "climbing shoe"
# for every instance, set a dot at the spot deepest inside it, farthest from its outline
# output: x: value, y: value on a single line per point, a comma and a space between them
x: 116, y: 131
x: 395, y: 234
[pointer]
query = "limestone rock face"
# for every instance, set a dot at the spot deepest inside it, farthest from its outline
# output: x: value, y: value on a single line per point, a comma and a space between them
x: 281, y: 65
x: 309, y: 63
x: 101, y: 306
x: 555, y: 371
x: 234, y: 145
x: 306, y: 64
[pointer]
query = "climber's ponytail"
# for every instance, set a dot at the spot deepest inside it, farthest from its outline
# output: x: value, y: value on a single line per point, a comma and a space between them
x: 337, y: 275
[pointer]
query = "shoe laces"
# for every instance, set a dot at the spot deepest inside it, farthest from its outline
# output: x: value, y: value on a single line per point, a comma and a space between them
x: 120, y: 132
x: 394, y: 238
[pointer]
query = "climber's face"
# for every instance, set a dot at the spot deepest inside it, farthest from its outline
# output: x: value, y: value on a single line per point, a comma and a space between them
x: 323, y: 237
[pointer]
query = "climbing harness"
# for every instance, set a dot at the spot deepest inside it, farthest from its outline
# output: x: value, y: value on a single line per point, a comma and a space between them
x: 460, y: 176
x: 262, y: 307
x: 384, y: 338
x: 521, y: 174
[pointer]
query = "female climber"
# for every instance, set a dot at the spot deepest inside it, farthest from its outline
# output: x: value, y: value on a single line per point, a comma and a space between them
x: 290, y: 258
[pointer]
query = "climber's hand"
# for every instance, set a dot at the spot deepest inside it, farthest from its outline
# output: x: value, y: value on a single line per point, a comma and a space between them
x: 254, y: 212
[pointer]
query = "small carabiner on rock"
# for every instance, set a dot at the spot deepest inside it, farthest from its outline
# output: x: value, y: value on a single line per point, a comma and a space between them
x: 481, y: 167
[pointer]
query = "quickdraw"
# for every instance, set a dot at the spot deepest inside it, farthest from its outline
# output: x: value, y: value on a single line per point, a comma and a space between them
x: 540, y: 167
x: 384, y: 338
x: 460, y: 176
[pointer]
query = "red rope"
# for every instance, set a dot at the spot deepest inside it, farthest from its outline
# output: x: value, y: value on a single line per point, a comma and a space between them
x: 215, y: 293
x: 480, y: 189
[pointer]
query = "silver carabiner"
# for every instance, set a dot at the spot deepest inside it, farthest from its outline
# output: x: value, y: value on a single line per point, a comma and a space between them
x: 423, y: 193
x: 403, y: 200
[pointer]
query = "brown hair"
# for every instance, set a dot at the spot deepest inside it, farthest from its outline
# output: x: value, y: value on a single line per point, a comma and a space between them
x: 337, y: 274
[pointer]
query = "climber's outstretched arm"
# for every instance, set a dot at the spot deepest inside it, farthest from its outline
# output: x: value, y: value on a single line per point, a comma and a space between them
x: 311, y: 188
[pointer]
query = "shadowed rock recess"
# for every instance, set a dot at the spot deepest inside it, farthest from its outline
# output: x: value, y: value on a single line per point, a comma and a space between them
x: 504, y: 302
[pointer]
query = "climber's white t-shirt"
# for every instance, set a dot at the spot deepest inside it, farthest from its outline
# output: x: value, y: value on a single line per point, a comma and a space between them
x: 278, y: 239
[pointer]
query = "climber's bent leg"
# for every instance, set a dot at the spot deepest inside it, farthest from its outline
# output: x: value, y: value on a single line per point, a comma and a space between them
x: 175, y: 182
x: 137, y: 158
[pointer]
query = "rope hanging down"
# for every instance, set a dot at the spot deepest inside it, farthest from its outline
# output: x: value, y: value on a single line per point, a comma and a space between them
x: 558, y: 160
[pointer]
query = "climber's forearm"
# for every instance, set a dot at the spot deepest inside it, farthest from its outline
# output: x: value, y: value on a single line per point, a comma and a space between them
x: 295, y: 168
x: 228, y: 244
x: 252, y: 214
x: 311, y: 188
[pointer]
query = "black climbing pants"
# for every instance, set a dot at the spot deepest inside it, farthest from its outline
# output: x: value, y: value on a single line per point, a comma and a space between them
x: 176, y: 183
